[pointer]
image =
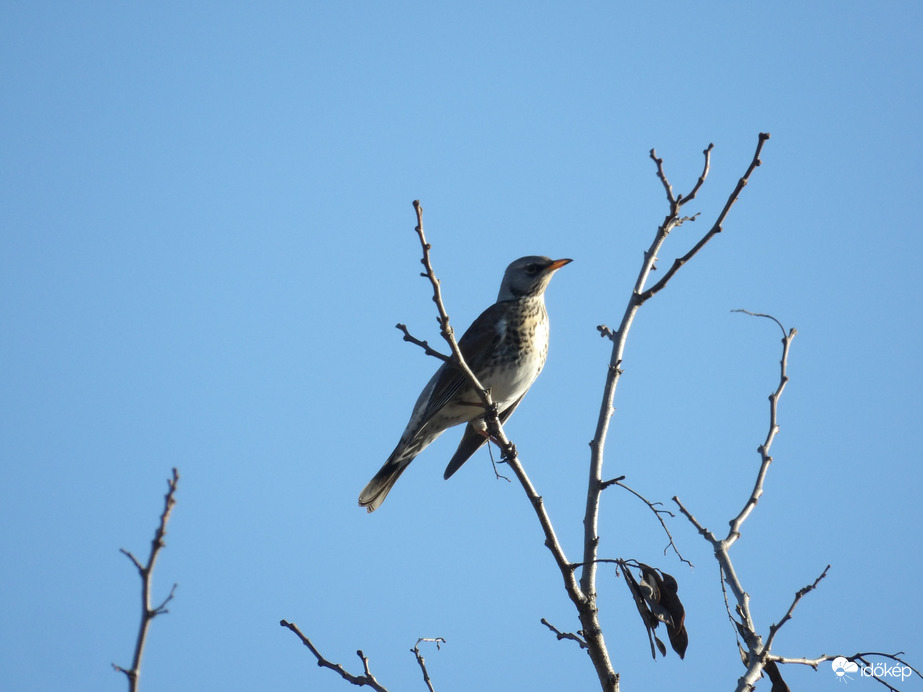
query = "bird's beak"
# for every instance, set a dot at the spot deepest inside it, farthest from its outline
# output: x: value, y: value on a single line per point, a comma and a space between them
x: 557, y: 264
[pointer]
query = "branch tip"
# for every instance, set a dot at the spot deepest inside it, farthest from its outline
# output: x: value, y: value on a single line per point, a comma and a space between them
x: 145, y: 571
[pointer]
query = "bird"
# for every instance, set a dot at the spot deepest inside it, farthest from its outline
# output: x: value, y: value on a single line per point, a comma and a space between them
x: 505, y: 347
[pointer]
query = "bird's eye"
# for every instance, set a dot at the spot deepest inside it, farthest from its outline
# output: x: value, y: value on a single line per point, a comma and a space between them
x: 531, y: 269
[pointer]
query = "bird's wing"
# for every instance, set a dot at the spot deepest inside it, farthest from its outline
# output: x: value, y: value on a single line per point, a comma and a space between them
x: 476, y: 344
x: 472, y: 441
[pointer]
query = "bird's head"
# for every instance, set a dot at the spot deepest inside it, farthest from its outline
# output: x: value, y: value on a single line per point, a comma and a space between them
x: 528, y: 276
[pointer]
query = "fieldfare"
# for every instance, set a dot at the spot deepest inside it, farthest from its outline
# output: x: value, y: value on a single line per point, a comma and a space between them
x: 506, y: 349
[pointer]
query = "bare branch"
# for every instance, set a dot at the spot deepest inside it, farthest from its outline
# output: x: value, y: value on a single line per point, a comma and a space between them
x: 430, y: 351
x: 758, y: 652
x: 607, y: 409
x: 359, y: 680
x: 862, y: 656
x: 762, y: 314
x: 677, y: 201
x: 770, y: 435
x: 709, y: 536
x: 149, y: 612
x: 564, y: 635
x: 773, y: 629
x: 701, y: 181
x: 617, y: 561
x: 133, y: 559
x: 671, y: 198
x: 162, y: 608
x: 619, y: 338
x: 420, y: 660
x: 717, y: 227
x: 606, y: 333
x: 446, y: 329
x: 653, y: 506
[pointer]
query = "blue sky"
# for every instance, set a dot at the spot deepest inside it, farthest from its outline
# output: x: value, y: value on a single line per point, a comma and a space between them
x: 207, y: 238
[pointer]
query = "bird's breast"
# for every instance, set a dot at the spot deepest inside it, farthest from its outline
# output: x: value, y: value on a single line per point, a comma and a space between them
x: 520, y: 356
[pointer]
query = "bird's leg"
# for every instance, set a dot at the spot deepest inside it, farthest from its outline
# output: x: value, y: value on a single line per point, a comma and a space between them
x: 482, y: 429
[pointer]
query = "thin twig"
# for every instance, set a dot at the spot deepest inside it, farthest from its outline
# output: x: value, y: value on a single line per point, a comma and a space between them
x: 735, y: 626
x: 764, y: 448
x: 446, y: 329
x: 774, y: 628
x: 146, y: 572
x: 671, y: 198
x: 653, y: 506
x: 709, y: 536
x: 359, y: 680
x: 493, y: 462
x: 564, y: 635
x: 600, y: 561
x: 420, y: 660
x: 701, y: 181
x: 429, y: 350
x: 677, y: 201
x: 605, y: 332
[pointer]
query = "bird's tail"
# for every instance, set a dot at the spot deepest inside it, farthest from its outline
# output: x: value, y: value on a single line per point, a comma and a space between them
x: 377, y: 489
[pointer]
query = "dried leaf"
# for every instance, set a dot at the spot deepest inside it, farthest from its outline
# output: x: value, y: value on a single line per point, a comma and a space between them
x: 778, y: 684
x: 657, y: 601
